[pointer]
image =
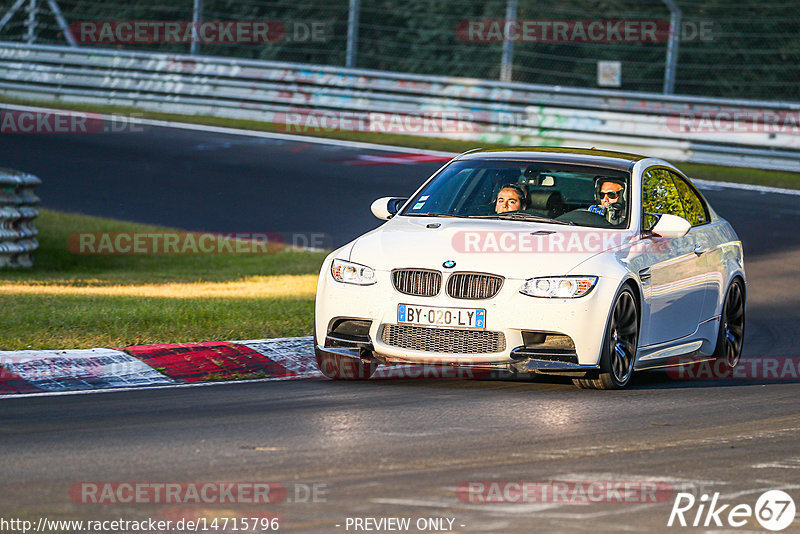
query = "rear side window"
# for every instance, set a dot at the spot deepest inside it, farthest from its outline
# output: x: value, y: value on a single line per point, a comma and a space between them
x: 659, y: 196
x: 693, y: 205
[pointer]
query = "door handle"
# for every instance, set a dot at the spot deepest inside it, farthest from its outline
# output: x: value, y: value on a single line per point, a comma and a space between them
x: 700, y: 250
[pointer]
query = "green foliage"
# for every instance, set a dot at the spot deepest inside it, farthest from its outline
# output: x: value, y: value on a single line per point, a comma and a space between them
x: 692, y: 205
x: 664, y: 192
x: 659, y: 195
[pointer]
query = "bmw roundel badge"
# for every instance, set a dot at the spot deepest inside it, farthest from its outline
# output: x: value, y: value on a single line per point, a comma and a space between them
x: 449, y: 264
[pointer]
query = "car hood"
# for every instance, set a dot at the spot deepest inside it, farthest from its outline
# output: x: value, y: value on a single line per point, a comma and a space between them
x: 514, y: 249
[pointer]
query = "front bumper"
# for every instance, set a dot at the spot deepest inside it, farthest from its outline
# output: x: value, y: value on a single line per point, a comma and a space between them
x: 530, y: 364
x: 509, y: 312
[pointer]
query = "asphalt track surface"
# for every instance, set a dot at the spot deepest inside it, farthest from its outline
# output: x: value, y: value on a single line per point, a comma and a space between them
x: 389, y: 448
x: 209, y: 182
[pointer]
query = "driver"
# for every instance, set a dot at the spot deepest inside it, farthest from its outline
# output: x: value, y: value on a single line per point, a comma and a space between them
x: 609, y: 193
x: 511, y: 197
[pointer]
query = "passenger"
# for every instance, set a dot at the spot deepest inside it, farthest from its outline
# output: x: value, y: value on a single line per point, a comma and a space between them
x: 511, y: 197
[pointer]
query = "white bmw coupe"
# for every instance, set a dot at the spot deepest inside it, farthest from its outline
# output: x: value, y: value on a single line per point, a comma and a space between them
x: 585, y: 263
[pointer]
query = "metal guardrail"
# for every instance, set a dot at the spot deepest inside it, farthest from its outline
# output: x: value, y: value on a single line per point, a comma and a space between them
x: 486, y: 111
x: 17, y: 212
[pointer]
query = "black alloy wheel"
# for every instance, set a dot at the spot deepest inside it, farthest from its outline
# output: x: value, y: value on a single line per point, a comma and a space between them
x: 619, y: 346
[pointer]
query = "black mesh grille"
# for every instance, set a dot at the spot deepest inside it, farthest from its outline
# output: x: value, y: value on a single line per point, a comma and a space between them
x: 443, y: 340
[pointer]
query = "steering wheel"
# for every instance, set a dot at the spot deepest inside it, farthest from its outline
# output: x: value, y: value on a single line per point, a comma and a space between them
x: 584, y: 217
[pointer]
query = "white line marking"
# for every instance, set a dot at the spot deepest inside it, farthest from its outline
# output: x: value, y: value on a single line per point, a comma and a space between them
x: 709, y: 184
x: 509, y: 508
x: 791, y: 463
x: 517, y: 509
x: 540, y: 508
x: 239, y: 131
x: 604, y: 513
x: 730, y: 496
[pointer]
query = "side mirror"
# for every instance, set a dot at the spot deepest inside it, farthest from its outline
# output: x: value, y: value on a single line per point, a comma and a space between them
x: 385, y: 208
x: 671, y: 226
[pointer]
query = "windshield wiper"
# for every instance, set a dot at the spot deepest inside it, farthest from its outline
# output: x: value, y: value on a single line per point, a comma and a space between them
x: 520, y: 216
x: 432, y: 215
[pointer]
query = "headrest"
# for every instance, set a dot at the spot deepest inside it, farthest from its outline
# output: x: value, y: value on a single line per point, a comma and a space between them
x: 547, y: 181
x: 536, y: 178
x: 544, y: 200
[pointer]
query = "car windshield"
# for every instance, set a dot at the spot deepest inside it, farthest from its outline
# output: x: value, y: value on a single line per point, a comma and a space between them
x: 527, y: 190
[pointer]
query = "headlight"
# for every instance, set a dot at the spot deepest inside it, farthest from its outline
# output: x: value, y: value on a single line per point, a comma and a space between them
x: 352, y: 273
x: 563, y: 287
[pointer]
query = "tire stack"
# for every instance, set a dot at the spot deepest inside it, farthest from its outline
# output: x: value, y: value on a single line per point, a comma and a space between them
x: 17, y: 212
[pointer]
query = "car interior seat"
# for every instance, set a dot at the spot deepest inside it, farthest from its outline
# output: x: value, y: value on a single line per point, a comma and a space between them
x: 545, y: 198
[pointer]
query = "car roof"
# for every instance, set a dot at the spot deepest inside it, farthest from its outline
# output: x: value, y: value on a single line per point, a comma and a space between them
x: 580, y: 156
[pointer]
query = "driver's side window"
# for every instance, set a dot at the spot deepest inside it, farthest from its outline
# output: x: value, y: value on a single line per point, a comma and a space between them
x: 659, y: 196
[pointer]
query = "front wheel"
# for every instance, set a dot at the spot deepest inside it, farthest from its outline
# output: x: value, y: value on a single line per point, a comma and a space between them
x: 619, y: 346
x: 344, y: 368
x: 341, y: 367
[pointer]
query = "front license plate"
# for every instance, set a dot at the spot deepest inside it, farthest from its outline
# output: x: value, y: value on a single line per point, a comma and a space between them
x: 435, y: 316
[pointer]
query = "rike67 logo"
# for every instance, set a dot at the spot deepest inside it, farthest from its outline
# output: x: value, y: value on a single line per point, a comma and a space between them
x: 774, y: 510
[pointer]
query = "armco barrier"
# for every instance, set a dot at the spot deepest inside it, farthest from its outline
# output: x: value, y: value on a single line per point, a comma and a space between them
x: 17, y: 212
x: 489, y: 111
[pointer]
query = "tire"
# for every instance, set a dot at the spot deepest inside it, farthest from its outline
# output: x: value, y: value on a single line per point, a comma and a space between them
x: 620, y: 342
x: 342, y: 367
x: 730, y: 338
x: 345, y: 368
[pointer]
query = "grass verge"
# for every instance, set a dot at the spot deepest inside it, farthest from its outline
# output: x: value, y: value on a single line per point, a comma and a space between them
x: 80, y: 301
x: 789, y: 180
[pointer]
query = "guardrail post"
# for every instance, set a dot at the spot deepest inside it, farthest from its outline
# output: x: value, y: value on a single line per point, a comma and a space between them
x: 197, y: 16
x: 10, y: 13
x: 62, y: 22
x: 32, y: 21
x: 352, y: 34
x: 672, y: 46
x: 507, y: 63
x: 17, y: 212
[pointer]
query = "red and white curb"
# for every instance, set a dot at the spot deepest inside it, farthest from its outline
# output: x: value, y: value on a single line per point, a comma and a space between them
x: 30, y: 371
x: 52, y: 371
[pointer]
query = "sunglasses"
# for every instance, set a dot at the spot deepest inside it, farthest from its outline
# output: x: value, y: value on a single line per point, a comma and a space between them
x: 613, y: 195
